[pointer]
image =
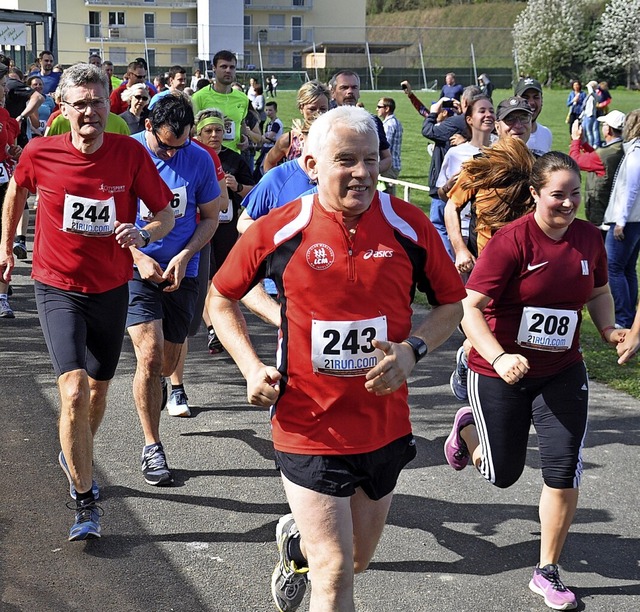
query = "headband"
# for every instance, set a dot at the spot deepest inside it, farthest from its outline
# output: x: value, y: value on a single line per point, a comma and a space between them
x: 209, y: 121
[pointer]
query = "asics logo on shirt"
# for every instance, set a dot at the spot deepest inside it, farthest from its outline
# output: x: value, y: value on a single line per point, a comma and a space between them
x: 377, y: 254
x: 536, y: 266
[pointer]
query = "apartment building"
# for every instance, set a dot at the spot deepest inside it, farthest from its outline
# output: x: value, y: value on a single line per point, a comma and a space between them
x: 276, y: 34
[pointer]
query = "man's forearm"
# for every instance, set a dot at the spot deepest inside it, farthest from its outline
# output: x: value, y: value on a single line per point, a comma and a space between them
x: 12, y: 208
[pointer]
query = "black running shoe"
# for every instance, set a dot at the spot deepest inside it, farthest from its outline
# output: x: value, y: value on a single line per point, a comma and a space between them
x: 154, y: 466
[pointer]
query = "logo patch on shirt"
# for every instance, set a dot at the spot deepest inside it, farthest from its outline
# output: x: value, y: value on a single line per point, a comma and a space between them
x: 320, y: 256
x: 112, y: 188
x: 531, y: 267
x: 377, y: 254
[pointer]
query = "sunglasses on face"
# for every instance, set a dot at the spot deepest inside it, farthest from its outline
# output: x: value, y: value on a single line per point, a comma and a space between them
x: 141, y: 97
x: 166, y: 147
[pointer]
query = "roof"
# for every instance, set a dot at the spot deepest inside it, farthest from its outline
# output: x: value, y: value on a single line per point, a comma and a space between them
x: 357, y: 47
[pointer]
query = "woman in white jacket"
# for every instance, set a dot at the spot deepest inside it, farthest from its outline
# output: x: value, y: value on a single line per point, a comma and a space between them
x: 623, y: 217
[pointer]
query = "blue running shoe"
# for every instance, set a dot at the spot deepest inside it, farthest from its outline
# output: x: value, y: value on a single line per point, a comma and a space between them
x: 458, y: 380
x: 95, y: 489
x: 87, y: 524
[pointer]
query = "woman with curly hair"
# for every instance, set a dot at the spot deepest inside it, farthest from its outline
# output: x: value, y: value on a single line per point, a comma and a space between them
x: 496, y: 185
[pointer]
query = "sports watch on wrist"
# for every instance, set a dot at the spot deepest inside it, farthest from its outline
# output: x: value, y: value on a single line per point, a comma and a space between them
x: 419, y: 347
x: 146, y: 236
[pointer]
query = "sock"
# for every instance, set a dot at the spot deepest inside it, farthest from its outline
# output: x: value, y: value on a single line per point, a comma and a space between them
x: 81, y: 497
x: 20, y: 238
x: 294, y: 552
x: 209, y: 328
x: 3, y: 296
x: 177, y: 388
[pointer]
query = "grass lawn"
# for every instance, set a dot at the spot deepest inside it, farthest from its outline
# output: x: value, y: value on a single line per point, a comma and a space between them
x: 600, y: 359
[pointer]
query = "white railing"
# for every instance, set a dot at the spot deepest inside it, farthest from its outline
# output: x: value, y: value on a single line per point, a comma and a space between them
x: 406, y: 185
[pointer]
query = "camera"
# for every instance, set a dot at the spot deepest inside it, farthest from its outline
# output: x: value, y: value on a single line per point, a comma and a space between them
x: 447, y: 104
x: 404, y: 86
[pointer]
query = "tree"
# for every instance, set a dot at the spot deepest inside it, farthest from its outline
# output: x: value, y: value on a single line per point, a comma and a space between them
x: 616, y: 47
x: 546, y: 35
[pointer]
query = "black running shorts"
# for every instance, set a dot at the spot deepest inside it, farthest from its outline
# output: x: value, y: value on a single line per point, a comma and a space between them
x: 376, y: 472
x: 83, y: 331
x: 148, y: 302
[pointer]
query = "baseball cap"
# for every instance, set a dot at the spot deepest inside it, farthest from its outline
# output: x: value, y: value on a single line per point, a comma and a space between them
x: 614, y: 119
x: 508, y: 106
x: 528, y: 83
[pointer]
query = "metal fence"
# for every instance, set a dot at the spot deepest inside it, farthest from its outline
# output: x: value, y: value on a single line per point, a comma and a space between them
x: 382, y: 56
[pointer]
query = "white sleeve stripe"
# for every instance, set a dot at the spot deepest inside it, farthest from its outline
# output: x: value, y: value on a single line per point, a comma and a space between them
x: 394, y: 219
x: 293, y: 227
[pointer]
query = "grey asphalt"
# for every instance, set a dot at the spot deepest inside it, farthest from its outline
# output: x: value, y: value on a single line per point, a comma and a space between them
x: 453, y: 542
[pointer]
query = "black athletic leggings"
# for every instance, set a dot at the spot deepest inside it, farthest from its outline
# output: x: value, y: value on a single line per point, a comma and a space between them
x: 557, y: 407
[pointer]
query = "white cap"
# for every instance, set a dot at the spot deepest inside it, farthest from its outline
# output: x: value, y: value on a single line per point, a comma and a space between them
x: 614, y: 119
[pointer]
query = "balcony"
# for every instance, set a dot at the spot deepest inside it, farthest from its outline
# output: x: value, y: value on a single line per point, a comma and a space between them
x: 168, y: 4
x: 158, y: 33
x: 291, y: 5
x: 280, y: 37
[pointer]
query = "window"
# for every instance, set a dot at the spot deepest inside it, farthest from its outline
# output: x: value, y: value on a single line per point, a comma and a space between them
x: 296, y: 29
x: 276, y: 22
x: 276, y: 57
x: 149, y: 25
x: 151, y: 60
x: 298, y: 2
x: 118, y: 55
x: 247, y: 58
x: 179, y: 56
x: 296, y: 58
x: 247, y: 27
x: 116, y: 18
x: 94, y: 24
x: 247, y: 2
x: 179, y: 20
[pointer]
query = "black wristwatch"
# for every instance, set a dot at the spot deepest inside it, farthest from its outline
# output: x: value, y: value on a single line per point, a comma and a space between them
x: 239, y: 188
x: 419, y: 347
x: 146, y: 236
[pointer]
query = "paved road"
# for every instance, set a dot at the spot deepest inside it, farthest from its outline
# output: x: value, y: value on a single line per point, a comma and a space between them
x: 453, y: 542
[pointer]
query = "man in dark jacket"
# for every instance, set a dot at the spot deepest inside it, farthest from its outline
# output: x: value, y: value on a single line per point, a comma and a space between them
x: 600, y: 164
x: 441, y: 134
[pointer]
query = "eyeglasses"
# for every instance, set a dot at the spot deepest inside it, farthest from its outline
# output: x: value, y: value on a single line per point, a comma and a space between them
x: 82, y: 105
x: 381, y: 106
x: 166, y: 147
x: 140, y: 77
x: 141, y: 97
x: 513, y: 119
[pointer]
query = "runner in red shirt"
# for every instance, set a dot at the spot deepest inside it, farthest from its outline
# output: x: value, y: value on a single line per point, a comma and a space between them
x: 88, y: 184
x: 346, y: 262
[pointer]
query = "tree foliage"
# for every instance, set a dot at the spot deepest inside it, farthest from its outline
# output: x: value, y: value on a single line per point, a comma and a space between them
x: 616, y: 47
x: 546, y: 35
